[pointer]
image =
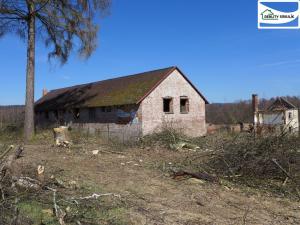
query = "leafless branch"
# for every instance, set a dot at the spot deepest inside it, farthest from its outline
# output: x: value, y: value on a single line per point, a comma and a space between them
x: 96, y: 196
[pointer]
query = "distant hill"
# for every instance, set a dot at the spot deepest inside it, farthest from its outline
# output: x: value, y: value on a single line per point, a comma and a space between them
x: 229, y: 113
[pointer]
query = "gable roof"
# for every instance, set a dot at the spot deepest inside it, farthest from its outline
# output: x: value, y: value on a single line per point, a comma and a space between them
x: 281, y: 104
x: 131, y: 89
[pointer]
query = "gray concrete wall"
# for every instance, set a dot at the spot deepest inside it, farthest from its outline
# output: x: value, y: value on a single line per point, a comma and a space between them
x: 175, y: 86
x: 122, y: 122
x: 112, y: 131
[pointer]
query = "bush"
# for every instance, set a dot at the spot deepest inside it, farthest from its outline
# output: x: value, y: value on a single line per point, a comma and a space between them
x: 167, y: 137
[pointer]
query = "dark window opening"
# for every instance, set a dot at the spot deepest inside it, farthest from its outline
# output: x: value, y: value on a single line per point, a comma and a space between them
x: 168, y: 105
x: 102, y: 109
x: 184, y: 105
x: 56, y: 114
x: 92, y: 113
x: 61, y: 115
x: 290, y: 130
x: 76, y: 113
x: 108, y: 109
x: 47, y: 115
x: 290, y: 115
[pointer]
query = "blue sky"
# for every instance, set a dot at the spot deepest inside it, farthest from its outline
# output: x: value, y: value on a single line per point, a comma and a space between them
x: 215, y: 43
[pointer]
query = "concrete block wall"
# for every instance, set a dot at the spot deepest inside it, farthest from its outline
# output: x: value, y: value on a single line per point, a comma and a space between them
x: 110, y: 125
x: 128, y: 132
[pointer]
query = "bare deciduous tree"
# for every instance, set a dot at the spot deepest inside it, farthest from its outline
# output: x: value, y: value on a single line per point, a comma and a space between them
x: 230, y: 113
x: 60, y: 24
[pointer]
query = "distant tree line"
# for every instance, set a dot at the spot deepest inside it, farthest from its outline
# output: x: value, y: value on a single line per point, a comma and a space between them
x: 241, y: 111
x: 12, y: 115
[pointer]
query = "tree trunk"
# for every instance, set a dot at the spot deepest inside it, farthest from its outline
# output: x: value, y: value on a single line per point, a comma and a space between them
x: 298, y: 122
x: 29, y: 102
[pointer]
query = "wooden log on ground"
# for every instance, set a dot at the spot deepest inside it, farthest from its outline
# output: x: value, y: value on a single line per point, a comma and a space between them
x: 199, y: 175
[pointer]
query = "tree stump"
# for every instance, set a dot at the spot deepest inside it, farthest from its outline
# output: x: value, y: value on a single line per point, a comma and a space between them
x: 61, y: 136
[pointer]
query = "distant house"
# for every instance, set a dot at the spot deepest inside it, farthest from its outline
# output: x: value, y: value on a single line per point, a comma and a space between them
x: 126, y: 107
x: 280, y: 115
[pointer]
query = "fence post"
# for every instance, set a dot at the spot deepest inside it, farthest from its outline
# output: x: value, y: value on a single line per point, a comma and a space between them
x: 108, y: 131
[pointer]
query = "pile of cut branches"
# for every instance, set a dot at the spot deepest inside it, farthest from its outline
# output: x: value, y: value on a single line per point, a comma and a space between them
x: 9, y: 195
x: 273, y: 158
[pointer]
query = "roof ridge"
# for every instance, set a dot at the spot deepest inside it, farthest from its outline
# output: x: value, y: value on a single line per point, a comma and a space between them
x: 283, y: 102
x: 115, y: 78
x: 287, y: 101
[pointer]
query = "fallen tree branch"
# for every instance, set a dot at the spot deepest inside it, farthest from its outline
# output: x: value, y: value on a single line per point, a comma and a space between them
x: 283, y: 170
x: 8, y: 163
x: 2, y: 192
x: 54, y: 203
x: 59, y: 213
x: 27, y: 182
x: 6, y: 151
x: 288, y: 175
x: 111, y: 152
x: 16, y: 213
x: 285, y: 181
x: 96, y: 196
x: 229, y: 168
x: 199, y: 175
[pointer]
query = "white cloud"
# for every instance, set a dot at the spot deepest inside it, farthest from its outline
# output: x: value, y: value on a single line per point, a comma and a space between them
x: 280, y: 63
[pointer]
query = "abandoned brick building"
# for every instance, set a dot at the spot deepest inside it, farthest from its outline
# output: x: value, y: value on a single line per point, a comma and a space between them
x: 127, y: 107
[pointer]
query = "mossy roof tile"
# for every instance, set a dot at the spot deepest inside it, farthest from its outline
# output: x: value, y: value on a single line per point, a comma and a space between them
x: 117, y: 91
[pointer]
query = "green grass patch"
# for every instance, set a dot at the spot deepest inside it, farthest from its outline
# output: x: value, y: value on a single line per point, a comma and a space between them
x: 37, y: 213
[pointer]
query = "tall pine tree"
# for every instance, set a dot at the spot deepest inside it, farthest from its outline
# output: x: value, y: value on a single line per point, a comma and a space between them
x: 61, y: 24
